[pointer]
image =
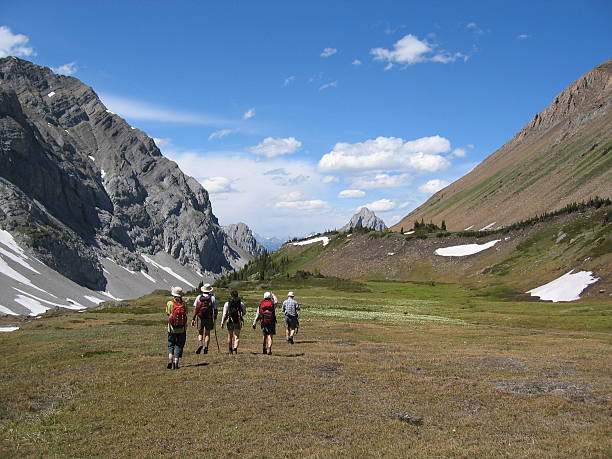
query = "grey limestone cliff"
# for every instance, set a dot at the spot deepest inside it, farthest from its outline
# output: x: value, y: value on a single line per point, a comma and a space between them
x: 244, y: 238
x: 365, y: 218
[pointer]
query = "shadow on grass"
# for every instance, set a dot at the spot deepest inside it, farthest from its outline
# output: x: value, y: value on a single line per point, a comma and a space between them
x: 203, y: 364
x: 306, y: 342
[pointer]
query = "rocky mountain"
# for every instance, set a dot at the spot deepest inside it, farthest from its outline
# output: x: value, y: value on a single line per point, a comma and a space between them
x: 244, y: 238
x: 365, y: 218
x: 271, y: 243
x: 561, y: 156
x: 79, y: 186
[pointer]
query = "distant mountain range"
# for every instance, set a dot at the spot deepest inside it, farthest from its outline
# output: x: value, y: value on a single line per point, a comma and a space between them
x: 272, y: 243
x: 89, y: 201
x: 561, y: 156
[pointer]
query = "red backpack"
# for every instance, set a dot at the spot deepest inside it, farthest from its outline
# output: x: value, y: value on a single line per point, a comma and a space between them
x: 204, y: 307
x: 178, y: 317
x: 266, y: 312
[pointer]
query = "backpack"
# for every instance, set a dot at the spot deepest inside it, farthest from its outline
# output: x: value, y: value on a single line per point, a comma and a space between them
x: 178, y: 317
x: 234, y: 310
x: 266, y: 312
x: 204, y: 307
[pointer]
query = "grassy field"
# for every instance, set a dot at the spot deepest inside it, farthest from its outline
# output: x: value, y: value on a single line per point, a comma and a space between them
x: 396, y: 369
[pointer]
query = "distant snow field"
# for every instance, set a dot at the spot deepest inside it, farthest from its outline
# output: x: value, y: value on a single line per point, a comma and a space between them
x: 565, y: 288
x: 409, y: 232
x: 323, y: 239
x: 8, y: 329
x: 463, y: 250
x: 51, y: 94
x: 489, y: 226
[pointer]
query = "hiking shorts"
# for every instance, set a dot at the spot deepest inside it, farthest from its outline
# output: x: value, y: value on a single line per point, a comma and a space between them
x: 268, y: 329
x: 206, y: 323
x: 231, y: 326
x: 176, y: 343
x: 291, y: 321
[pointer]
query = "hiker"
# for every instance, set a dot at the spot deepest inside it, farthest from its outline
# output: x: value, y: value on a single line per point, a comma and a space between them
x: 233, y: 312
x: 205, y: 311
x: 267, y: 316
x: 292, y: 323
x: 176, y: 311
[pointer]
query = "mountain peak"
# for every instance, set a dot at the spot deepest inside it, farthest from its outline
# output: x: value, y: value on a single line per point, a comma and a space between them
x: 365, y: 218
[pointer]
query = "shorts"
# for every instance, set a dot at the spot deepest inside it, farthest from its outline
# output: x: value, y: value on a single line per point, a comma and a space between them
x: 176, y: 343
x: 291, y: 322
x: 268, y: 329
x: 207, y: 323
x: 231, y: 326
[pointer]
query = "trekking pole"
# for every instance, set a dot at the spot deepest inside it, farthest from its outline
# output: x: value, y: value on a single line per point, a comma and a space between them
x: 216, y: 339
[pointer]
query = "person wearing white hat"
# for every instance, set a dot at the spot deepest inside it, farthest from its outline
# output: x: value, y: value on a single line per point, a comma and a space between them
x: 267, y: 316
x: 291, y: 308
x: 205, y: 311
x: 176, y: 310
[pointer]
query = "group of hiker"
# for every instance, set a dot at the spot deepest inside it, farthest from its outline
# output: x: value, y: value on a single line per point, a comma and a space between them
x: 205, y: 311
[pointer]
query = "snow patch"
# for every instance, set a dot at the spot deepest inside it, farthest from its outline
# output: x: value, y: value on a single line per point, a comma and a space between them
x: 168, y: 270
x: 565, y: 288
x: 108, y: 111
x: 32, y: 304
x: 390, y: 253
x: 51, y: 94
x: 93, y: 299
x: 76, y: 306
x: 323, y: 239
x: 108, y: 294
x: 102, y: 173
x: 489, y: 226
x: 10, y: 272
x: 7, y: 311
x: 92, y: 158
x: 463, y: 250
x: 145, y: 274
x: 8, y: 329
x: 409, y: 232
x: 469, y: 228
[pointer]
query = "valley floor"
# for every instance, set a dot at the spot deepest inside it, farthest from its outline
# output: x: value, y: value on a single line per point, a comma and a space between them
x: 402, y: 369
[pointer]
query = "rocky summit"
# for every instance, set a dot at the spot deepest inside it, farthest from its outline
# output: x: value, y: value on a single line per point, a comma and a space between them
x: 81, y: 188
x: 365, y: 218
x: 244, y: 238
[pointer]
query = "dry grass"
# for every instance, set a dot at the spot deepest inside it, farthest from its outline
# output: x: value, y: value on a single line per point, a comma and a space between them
x: 352, y: 385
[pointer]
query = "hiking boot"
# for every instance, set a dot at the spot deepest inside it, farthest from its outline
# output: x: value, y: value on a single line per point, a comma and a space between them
x: 206, y: 350
x: 169, y: 366
x: 231, y: 350
x: 199, y: 349
x: 270, y: 351
x: 175, y: 365
x: 235, y: 350
x: 264, y: 351
x: 290, y: 339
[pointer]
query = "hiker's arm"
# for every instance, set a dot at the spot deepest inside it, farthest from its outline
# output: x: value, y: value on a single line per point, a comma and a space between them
x: 215, y: 308
x: 224, y: 314
x: 256, y: 318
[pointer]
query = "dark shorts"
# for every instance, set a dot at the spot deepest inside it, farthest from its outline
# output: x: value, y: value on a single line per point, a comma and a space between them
x: 291, y: 322
x: 268, y: 329
x: 176, y: 343
x: 231, y: 326
x: 206, y: 323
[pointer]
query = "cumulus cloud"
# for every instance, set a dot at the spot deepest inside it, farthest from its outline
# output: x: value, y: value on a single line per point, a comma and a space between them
x: 388, y: 154
x: 330, y: 179
x: 357, y: 62
x: 382, y: 205
x: 221, y: 133
x: 289, y: 80
x: 433, y: 185
x: 523, y: 36
x: 313, y: 204
x: 409, y: 50
x: 67, y: 69
x: 474, y: 28
x: 332, y: 84
x: 162, y: 143
x: 250, y: 113
x: 217, y: 185
x: 14, y: 44
x: 293, y: 196
x: 329, y: 52
x: 382, y: 181
x: 351, y: 194
x: 271, y: 147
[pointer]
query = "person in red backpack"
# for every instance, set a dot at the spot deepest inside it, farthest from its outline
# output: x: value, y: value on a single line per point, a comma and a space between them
x: 233, y: 312
x: 176, y: 310
x: 267, y: 316
x: 205, y: 311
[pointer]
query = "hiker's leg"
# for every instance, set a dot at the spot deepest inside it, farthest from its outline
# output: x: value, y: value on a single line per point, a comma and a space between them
x: 170, y: 349
x: 178, y: 348
x: 206, y: 338
x: 236, y: 339
x: 286, y: 327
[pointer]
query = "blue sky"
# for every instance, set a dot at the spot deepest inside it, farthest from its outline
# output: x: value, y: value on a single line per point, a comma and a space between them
x: 295, y: 114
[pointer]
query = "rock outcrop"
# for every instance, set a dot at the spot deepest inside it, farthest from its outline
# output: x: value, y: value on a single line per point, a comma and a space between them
x: 78, y: 184
x: 244, y: 238
x: 365, y: 218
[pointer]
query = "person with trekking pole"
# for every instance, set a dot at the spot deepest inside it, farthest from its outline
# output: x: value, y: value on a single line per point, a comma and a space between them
x: 267, y: 316
x: 176, y: 310
x: 234, y: 311
x: 205, y: 311
x: 291, y: 308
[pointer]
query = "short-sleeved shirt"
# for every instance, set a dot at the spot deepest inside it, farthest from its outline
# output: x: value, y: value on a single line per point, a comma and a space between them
x: 291, y: 307
x: 172, y: 329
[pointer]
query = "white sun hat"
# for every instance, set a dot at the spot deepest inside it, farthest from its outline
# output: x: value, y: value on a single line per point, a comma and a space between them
x: 290, y: 294
x: 207, y: 288
x: 176, y: 291
x: 267, y: 295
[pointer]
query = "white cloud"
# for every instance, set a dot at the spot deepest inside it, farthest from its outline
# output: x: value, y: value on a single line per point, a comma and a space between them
x: 459, y: 153
x: 474, y: 28
x: 313, y: 204
x: 289, y: 80
x: 357, y: 62
x: 388, y: 154
x: 382, y: 181
x: 382, y: 205
x: 293, y: 196
x: 433, y: 185
x: 409, y: 50
x: 329, y: 52
x: 351, y: 194
x: 332, y: 84
x: 221, y: 133
x: 217, y: 185
x: 14, y: 44
x: 162, y: 143
x: 67, y: 69
x: 330, y: 179
x: 390, y: 221
x: 250, y: 113
x: 523, y: 36
x: 129, y: 108
x: 271, y: 147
